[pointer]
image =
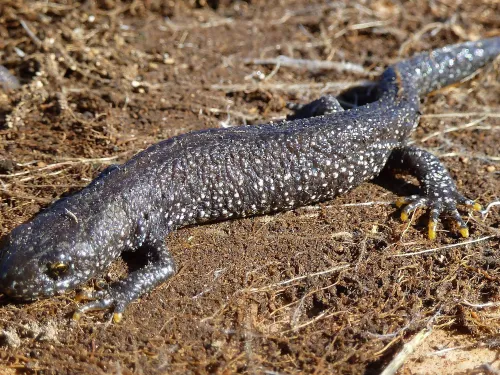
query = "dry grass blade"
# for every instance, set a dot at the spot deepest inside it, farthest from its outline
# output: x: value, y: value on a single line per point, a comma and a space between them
x: 407, y: 350
x: 298, y: 278
x: 436, y: 249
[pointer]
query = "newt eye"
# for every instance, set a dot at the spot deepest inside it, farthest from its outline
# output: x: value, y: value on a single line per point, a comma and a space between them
x: 57, y: 269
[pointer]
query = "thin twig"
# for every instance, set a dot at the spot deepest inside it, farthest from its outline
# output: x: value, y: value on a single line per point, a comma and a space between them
x: 361, y: 26
x: 72, y: 215
x: 360, y: 204
x: 481, y: 305
x: 389, y: 335
x: 453, y: 129
x: 430, y: 26
x: 288, y: 87
x: 310, y: 65
x: 197, y: 25
x: 468, y: 155
x: 373, y: 203
x: 488, y: 208
x: 407, y: 350
x: 443, y: 247
x: 444, y: 351
x: 70, y: 161
x: 26, y: 197
x: 461, y: 114
x: 289, y: 281
x: 30, y: 33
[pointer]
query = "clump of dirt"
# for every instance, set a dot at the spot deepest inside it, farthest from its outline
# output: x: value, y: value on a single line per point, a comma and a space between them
x: 334, y: 288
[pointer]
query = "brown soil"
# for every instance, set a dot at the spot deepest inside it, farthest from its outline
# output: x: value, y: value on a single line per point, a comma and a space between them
x: 317, y: 290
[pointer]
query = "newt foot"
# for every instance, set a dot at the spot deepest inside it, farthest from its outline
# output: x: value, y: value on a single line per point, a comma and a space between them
x: 437, y: 207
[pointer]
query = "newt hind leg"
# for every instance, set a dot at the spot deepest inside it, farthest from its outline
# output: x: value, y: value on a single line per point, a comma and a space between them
x: 440, y: 194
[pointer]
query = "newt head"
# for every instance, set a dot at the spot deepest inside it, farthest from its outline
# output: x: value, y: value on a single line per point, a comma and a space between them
x: 46, y: 256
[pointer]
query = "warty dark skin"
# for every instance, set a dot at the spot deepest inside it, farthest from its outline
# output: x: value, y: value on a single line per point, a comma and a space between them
x: 221, y: 174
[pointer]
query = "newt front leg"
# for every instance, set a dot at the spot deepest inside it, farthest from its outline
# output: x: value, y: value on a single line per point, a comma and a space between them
x: 137, y: 283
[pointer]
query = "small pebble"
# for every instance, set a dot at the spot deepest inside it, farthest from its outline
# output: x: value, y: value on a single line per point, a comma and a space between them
x: 7, y: 80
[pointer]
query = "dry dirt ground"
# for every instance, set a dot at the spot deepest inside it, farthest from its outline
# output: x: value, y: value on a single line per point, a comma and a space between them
x: 333, y: 288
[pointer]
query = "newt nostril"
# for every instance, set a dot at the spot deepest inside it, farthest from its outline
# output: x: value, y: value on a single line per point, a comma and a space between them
x: 9, y: 292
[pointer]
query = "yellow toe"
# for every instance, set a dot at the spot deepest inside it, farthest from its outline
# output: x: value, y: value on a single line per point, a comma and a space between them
x: 432, y: 230
x: 82, y: 295
x: 477, y: 207
x: 117, y: 317
x: 464, y: 232
x: 400, y: 202
x: 404, y: 216
x: 77, y: 316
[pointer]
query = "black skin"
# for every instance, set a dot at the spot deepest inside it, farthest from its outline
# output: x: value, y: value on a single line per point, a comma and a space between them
x: 220, y: 174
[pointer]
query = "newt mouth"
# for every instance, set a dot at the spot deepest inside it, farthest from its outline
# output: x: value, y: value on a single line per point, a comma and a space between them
x: 12, y: 293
